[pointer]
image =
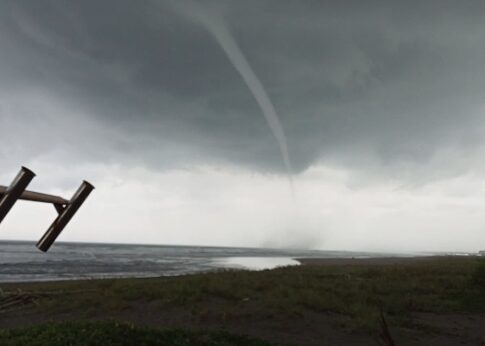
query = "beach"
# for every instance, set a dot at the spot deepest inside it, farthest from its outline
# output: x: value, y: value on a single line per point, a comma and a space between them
x: 21, y: 261
x: 425, y: 301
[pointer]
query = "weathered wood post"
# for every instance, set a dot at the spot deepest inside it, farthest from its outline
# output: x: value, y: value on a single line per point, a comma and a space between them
x: 10, y: 195
x: 65, y: 208
x: 65, y: 215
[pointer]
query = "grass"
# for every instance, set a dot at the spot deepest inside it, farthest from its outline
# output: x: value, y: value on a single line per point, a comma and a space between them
x: 478, y: 275
x: 351, y: 296
x: 113, y: 333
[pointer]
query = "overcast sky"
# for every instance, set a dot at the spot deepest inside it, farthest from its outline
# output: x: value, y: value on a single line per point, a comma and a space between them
x: 382, y: 104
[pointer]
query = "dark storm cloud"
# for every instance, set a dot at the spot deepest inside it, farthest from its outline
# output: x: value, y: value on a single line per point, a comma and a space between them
x: 365, y: 84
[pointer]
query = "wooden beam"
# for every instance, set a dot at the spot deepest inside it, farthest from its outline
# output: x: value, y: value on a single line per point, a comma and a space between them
x: 36, y: 197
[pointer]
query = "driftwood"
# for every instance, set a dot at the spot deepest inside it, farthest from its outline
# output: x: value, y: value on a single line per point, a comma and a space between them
x: 12, y: 300
x: 18, y: 299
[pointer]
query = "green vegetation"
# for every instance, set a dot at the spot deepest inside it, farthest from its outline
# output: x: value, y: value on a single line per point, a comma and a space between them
x: 346, y: 298
x: 478, y: 275
x: 119, y: 334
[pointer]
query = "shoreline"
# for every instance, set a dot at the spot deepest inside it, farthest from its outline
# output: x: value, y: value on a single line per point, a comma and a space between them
x: 302, y: 261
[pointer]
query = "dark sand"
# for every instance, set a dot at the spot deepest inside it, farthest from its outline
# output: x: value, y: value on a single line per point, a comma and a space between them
x: 374, y: 261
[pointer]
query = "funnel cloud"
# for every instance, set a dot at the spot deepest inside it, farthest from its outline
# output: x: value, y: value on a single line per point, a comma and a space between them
x: 216, y: 26
x: 236, y: 56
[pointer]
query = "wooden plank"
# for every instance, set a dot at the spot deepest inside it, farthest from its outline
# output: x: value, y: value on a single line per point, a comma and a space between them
x: 37, y: 197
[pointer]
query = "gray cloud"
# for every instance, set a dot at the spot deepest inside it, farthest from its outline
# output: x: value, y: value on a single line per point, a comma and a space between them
x: 382, y: 87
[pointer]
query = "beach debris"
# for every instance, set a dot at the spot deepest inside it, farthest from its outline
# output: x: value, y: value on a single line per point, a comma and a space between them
x: 19, y: 298
x: 65, y: 208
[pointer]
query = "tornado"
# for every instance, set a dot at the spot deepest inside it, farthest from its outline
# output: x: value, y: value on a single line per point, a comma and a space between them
x: 219, y: 30
x: 240, y: 63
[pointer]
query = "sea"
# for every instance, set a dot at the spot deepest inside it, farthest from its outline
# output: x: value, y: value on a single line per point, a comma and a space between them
x: 21, y: 261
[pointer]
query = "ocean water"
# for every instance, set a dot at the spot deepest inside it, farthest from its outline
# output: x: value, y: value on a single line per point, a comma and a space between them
x: 22, y: 261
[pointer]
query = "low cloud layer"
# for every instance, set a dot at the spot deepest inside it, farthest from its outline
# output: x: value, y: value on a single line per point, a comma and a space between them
x: 390, y: 93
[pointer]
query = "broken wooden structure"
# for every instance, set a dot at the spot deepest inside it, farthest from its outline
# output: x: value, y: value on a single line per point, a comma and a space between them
x: 65, y: 208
